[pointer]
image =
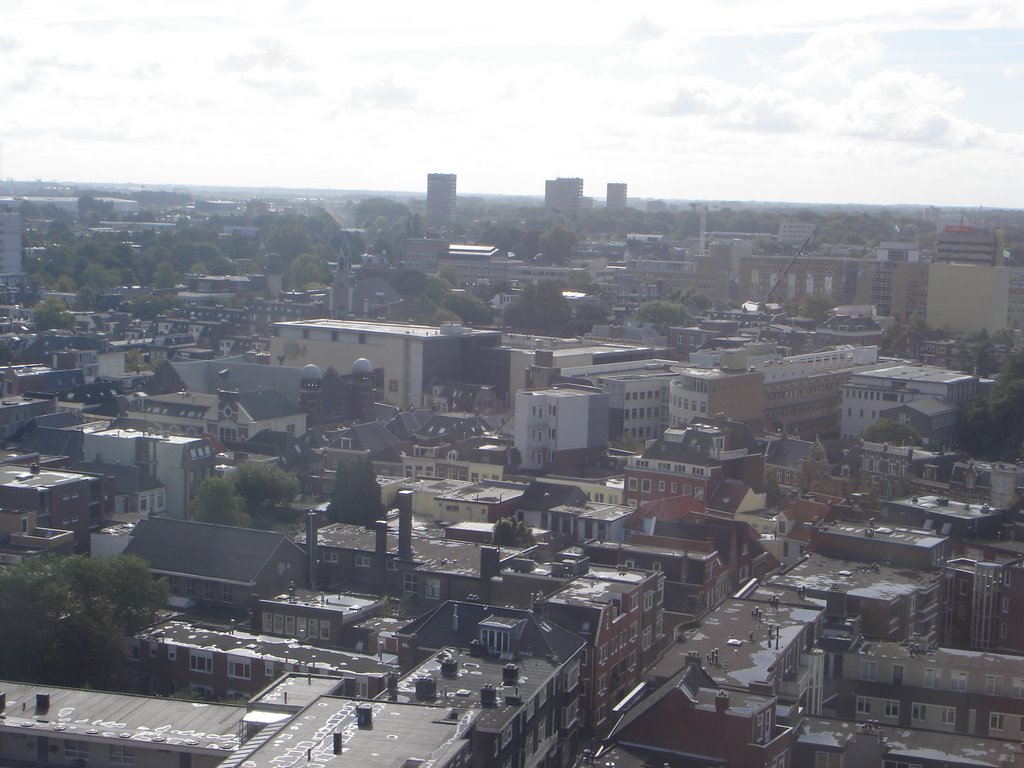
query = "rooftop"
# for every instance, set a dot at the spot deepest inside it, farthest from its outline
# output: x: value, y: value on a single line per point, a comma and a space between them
x: 278, y: 649
x: 402, y: 734
x: 739, y: 630
x: 819, y: 573
x: 99, y: 716
x: 384, y: 329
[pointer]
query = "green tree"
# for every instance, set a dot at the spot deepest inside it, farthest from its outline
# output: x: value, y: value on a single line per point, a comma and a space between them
x: 892, y: 432
x: 816, y: 307
x: 540, y: 308
x: 468, y: 309
x: 356, y: 494
x: 450, y: 275
x: 306, y: 270
x: 217, y: 502
x: 662, y: 313
x: 264, y: 484
x: 51, y: 313
x: 772, y: 490
x: 164, y: 276
x: 66, y: 619
x: 557, y: 244
x: 509, y: 532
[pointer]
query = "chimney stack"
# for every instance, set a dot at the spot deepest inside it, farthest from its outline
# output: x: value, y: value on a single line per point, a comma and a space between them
x: 721, y: 702
x: 490, y: 563
x: 380, y: 549
x: 403, y: 500
x: 311, y: 545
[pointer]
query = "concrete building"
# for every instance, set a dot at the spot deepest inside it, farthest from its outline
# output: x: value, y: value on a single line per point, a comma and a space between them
x: 563, y: 196
x: 440, y: 199
x: 561, y: 428
x: 803, y: 393
x: 180, y: 463
x: 10, y: 241
x: 966, y: 245
x: 405, y: 359
x: 795, y: 232
x: 877, y: 393
x: 736, y: 393
x: 615, y: 198
x: 966, y: 298
x: 833, y: 277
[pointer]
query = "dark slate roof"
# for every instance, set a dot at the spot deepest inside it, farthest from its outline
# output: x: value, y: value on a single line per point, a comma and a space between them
x: 290, y: 449
x: 59, y: 420
x: 372, y: 437
x: 405, y: 424
x: 206, y: 376
x: 264, y: 404
x: 218, y: 552
x: 128, y: 478
x: 47, y: 441
x: 539, y: 638
x: 451, y: 426
x: 541, y: 495
x: 787, y: 452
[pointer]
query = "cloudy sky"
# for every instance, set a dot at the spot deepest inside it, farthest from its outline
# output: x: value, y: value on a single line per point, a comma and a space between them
x: 876, y: 101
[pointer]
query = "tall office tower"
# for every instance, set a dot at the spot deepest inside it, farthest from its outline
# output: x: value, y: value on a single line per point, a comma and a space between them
x: 616, y: 196
x: 10, y: 242
x: 440, y: 199
x: 562, y: 196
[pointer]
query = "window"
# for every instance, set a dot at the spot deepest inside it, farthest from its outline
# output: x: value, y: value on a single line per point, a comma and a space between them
x: 122, y: 755
x: 172, y: 652
x: 433, y: 590
x: 645, y: 486
x: 495, y: 639
x: 918, y: 711
x: 863, y: 705
x: 208, y: 591
x: 648, y: 600
x: 1018, y: 688
x: 647, y: 639
x: 995, y: 721
x: 200, y: 662
x: 330, y: 557
x: 892, y: 708
x: 227, y: 593
x: 932, y: 678
x: 868, y: 670
x: 947, y: 715
x: 631, y: 485
x: 190, y: 588
x: 958, y: 681
x: 411, y: 584
x: 993, y: 685
x: 239, y: 669
x: 363, y: 561
x: 76, y: 750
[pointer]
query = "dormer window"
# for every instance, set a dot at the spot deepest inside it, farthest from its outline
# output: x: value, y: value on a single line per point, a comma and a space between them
x: 497, y: 640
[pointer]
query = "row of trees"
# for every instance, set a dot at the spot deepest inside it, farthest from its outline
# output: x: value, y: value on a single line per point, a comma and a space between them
x: 65, y: 620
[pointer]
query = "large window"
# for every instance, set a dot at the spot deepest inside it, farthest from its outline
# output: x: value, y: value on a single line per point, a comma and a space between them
x: 958, y: 681
x: 863, y: 705
x: 239, y: 668
x: 433, y: 588
x: 76, y: 750
x: 868, y: 670
x: 122, y: 754
x: 496, y: 640
x: 947, y: 715
x: 411, y: 584
x: 198, y: 661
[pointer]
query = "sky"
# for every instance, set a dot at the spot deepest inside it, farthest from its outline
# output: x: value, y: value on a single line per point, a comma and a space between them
x: 879, y: 102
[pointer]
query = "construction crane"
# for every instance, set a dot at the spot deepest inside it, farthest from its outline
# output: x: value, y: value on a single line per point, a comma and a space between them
x: 789, y: 266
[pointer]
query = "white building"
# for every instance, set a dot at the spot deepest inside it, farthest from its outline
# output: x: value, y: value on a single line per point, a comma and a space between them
x: 180, y: 463
x: 870, y: 392
x: 557, y: 429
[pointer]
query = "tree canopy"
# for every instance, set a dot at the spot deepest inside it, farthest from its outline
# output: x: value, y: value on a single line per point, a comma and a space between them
x: 65, y: 619
x: 263, y: 484
x: 355, y: 497
x: 540, y: 308
x: 509, y: 532
x: 893, y: 432
x: 662, y: 313
x: 992, y: 427
x: 218, y: 502
x: 51, y: 313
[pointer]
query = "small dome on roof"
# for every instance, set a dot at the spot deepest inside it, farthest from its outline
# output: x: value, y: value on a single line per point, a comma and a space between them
x: 312, y: 373
x: 362, y: 366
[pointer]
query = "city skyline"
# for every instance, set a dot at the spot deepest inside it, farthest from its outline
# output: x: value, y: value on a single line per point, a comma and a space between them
x: 793, y: 102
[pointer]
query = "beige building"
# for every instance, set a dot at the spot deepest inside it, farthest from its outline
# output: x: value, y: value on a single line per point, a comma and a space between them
x: 706, y: 392
x: 966, y: 298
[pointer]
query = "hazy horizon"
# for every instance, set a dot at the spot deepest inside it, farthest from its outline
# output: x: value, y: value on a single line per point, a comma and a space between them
x: 794, y: 102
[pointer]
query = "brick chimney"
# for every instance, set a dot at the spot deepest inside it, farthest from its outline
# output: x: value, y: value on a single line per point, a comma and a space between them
x: 403, y: 500
x: 721, y: 702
